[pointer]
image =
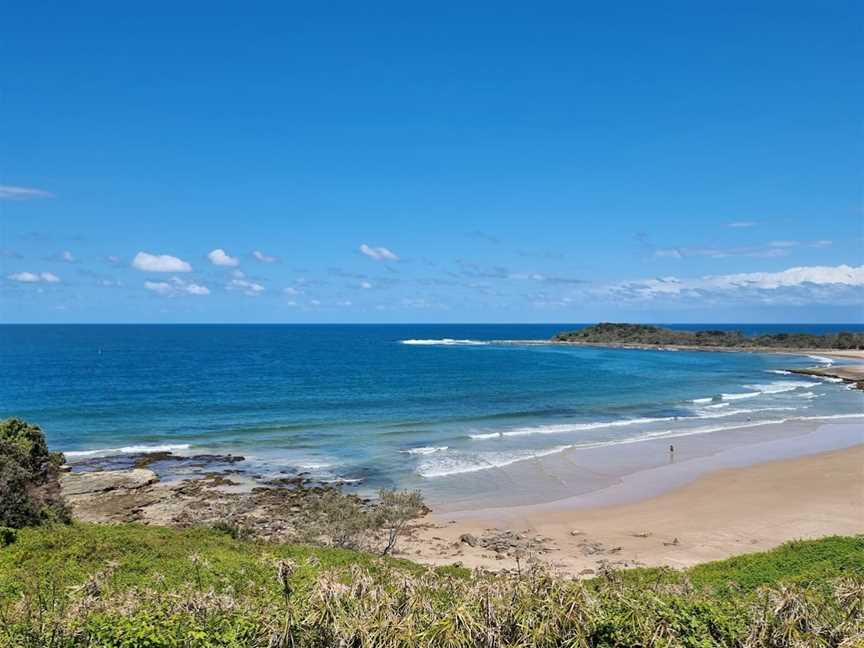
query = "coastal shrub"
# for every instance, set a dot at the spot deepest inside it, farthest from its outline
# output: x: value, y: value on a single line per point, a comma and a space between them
x: 344, y: 520
x: 395, y: 509
x: 340, y: 520
x: 29, y: 477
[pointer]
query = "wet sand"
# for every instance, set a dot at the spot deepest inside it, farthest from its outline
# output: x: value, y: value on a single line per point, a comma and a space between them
x: 707, y: 508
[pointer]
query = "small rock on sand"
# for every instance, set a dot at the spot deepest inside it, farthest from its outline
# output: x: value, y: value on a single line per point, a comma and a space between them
x: 468, y: 539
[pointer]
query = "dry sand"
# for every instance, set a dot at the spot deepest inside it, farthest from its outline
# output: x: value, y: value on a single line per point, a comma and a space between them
x: 721, y: 514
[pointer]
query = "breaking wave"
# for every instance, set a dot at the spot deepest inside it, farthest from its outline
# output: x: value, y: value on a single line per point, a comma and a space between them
x: 135, y: 449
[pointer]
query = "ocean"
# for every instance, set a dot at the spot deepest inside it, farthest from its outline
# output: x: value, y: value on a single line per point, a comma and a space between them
x: 388, y: 405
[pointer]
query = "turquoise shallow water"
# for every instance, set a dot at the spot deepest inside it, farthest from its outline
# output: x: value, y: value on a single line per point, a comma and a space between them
x: 406, y: 405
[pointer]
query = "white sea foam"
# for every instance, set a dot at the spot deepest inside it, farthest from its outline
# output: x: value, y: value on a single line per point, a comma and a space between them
x: 444, y: 342
x: 425, y: 450
x: 829, y: 416
x: 452, y: 465
x: 136, y: 449
x: 445, y: 466
x: 738, y: 412
x: 781, y: 386
x: 717, y: 405
x: 581, y: 427
x: 830, y: 379
x: 822, y: 359
x: 781, y: 372
x: 740, y: 396
x: 568, y: 427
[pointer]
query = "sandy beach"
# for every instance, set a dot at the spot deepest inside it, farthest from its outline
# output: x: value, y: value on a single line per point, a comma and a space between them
x: 724, y: 512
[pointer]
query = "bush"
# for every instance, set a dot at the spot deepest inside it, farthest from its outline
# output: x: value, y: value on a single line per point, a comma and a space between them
x: 29, y: 477
x: 393, y: 513
x: 348, y: 522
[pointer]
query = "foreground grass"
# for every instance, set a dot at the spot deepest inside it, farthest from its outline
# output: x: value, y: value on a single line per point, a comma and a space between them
x: 129, y: 585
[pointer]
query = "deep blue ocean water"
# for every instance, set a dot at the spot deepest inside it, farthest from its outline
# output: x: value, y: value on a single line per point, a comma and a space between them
x: 355, y: 402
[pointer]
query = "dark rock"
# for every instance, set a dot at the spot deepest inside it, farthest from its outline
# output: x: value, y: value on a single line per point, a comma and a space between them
x: 468, y: 539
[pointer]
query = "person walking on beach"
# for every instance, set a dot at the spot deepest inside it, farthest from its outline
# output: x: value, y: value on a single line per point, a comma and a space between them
x: 671, y: 453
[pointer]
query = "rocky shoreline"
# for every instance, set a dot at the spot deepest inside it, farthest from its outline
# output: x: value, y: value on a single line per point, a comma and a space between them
x: 126, y: 488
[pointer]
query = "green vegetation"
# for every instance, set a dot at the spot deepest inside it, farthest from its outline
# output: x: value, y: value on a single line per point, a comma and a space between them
x: 29, y: 486
x: 347, y: 522
x: 638, y: 334
x: 133, y: 586
x: 130, y: 585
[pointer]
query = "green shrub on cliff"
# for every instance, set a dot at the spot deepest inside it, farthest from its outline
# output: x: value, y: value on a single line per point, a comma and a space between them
x: 28, y: 477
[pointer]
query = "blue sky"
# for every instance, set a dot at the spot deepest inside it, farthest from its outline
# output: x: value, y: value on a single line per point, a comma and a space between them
x: 668, y: 162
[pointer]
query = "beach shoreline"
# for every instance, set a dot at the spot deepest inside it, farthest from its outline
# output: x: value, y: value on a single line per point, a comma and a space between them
x: 673, y: 500
x: 727, y: 506
x: 806, y: 482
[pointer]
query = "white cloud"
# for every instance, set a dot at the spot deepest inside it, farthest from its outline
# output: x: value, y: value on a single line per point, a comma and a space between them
x: 769, y: 250
x: 34, y: 277
x: 113, y: 259
x: 67, y: 256
x: 176, y: 287
x: 292, y: 291
x: 799, y: 284
x: 264, y: 258
x: 248, y: 287
x: 221, y: 258
x: 742, y: 224
x: 159, y: 263
x: 378, y: 253
x: 365, y: 284
x: 8, y: 192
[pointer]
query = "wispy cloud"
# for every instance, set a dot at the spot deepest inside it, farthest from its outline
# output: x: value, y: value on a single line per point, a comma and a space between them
x: 741, y: 224
x: 264, y: 258
x: 805, y: 284
x: 66, y: 257
x: 378, y: 253
x: 147, y: 262
x: 220, y: 257
x: 176, y: 287
x: 34, y: 277
x: 247, y: 287
x: 772, y: 249
x: 484, y: 236
x: 8, y: 192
